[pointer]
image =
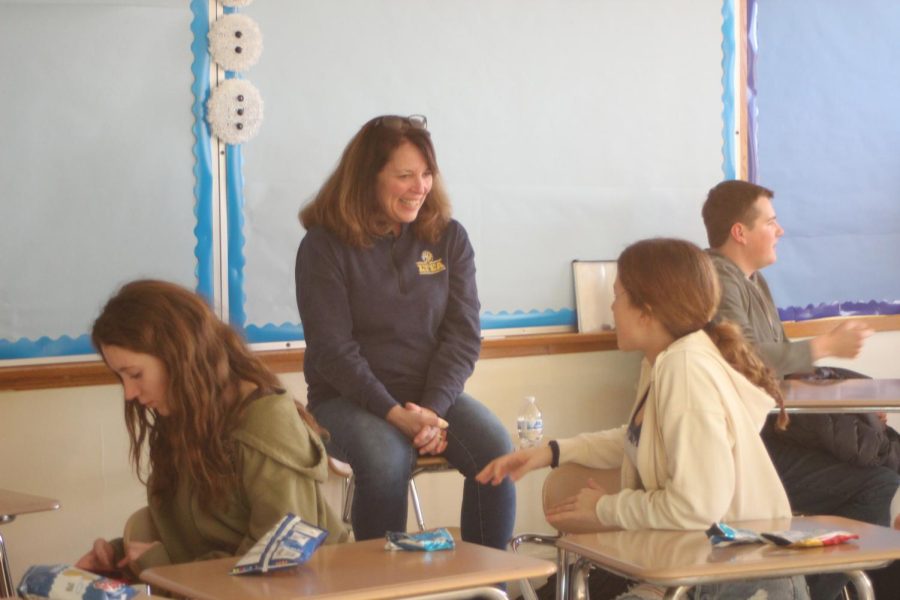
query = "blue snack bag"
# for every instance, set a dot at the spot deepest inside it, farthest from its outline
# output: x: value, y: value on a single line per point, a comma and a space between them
x: 426, y: 541
x: 721, y: 534
x: 65, y: 582
x: 289, y: 543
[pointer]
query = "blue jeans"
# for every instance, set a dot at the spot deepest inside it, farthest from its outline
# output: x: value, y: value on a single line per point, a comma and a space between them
x: 783, y: 588
x: 819, y: 484
x: 382, y: 459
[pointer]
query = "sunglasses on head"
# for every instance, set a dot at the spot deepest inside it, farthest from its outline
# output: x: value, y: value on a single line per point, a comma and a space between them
x: 403, y: 123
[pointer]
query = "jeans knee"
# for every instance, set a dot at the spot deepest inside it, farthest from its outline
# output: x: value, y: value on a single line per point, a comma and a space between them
x: 882, y: 485
x: 381, y: 467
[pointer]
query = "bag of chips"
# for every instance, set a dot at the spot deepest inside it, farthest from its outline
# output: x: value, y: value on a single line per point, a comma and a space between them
x: 65, y: 582
x: 427, y: 541
x: 289, y: 543
x: 809, y: 539
x: 721, y: 534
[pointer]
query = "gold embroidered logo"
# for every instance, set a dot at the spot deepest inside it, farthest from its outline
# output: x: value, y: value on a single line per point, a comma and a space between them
x: 429, y: 265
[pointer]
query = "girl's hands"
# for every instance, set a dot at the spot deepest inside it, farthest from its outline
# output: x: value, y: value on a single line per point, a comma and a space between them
x: 101, y: 557
x: 133, y: 551
x: 516, y: 465
x: 578, y: 511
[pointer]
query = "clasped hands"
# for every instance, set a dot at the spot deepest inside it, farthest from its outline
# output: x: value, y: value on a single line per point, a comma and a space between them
x: 426, y: 430
x: 578, y: 511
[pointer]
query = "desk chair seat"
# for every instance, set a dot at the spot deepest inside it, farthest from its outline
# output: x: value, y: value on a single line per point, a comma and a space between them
x: 140, y: 528
x: 560, y: 484
x: 424, y: 464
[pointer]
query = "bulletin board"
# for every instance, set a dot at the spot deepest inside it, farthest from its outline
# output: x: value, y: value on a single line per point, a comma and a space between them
x: 564, y: 130
x: 98, y: 168
x: 826, y: 138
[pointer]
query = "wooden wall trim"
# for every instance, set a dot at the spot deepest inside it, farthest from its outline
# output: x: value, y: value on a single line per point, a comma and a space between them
x: 61, y: 375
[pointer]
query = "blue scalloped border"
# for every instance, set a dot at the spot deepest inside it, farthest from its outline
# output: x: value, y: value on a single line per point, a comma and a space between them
x: 839, y: 309
x: 752, y: 108
x: 291, y: 332
x: 729, y: 66
x: 203, y: 179
x: 234, y: 185
x: 203, y: 168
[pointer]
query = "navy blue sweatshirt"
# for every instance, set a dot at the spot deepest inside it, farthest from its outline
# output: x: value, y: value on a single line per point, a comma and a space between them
x: 393, y: 323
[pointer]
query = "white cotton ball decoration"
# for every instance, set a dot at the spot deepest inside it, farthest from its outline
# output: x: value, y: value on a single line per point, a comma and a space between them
x: 235, y: 3
x: 235, y: 42
x: 234, y: 111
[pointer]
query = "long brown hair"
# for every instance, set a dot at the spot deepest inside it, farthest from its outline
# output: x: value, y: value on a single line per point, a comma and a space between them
x: 347, y: 204
x: 206, y: 362
x: 677, y: 282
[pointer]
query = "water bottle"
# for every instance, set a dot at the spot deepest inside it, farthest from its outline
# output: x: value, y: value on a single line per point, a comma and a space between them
x: 530, y: 424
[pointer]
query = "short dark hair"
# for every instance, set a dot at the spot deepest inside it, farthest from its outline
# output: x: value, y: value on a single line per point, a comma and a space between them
x: 728, y: 203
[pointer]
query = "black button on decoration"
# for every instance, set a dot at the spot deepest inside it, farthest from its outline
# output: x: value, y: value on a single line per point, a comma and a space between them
x: 239, y: 125
x: 238, y: 49
x: 238, y: 34
x: 240, y: 98
x: 240, y: 112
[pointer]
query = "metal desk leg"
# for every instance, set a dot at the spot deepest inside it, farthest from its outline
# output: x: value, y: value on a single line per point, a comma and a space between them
x: 486, y: 592
x: 578, y: 580
x: 7, y: 590
x: 562, y: 574
x: 862, y: 584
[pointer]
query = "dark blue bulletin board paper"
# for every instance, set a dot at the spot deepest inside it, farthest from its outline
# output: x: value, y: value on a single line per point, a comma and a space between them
x: 828, y: 133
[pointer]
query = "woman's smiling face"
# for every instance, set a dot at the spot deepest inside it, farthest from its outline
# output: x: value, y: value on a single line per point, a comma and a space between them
x: 403, y: 184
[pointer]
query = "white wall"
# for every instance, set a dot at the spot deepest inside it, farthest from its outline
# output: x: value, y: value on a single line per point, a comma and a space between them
x: 71, y: 444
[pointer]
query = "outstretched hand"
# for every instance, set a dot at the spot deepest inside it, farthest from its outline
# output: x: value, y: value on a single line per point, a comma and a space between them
x: 578, y: 512
x: 516, y: 465
x: 844, y: 341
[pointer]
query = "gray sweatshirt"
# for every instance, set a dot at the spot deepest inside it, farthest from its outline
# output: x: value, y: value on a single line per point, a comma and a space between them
x: 747, y: 302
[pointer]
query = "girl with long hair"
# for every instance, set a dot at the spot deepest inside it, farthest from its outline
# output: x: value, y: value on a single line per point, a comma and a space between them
x: 690, y: 454
x: 223, y: 450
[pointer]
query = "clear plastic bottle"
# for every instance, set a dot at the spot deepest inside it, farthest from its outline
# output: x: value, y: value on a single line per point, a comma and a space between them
x: 530, y: 424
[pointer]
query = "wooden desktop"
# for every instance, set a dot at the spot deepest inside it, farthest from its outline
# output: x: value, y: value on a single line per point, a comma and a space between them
x: 355, y: 571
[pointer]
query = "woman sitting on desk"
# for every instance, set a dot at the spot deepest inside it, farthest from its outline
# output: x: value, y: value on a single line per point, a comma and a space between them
x: 386, y: 292
x: 229, y: 452
x: 691, y: 453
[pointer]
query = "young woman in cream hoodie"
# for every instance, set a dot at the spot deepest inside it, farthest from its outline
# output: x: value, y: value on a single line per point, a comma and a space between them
x: 690, y: 454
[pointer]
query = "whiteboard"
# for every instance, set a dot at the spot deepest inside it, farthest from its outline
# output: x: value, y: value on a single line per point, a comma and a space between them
x: 564, y: 130
x: 96, y: 164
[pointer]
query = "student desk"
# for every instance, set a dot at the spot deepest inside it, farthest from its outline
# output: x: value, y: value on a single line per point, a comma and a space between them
x: 841, y: 395
x: 13, y: 504
x: 679, y: 560
x: 356, y: 571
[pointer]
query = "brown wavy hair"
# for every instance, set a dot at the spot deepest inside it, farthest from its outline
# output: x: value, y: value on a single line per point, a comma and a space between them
x: 347, y: 204
x: 206, y: 362
x: 676, y: 282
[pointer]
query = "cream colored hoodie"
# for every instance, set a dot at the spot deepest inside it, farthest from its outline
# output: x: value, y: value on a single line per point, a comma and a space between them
x: 700, y: 457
